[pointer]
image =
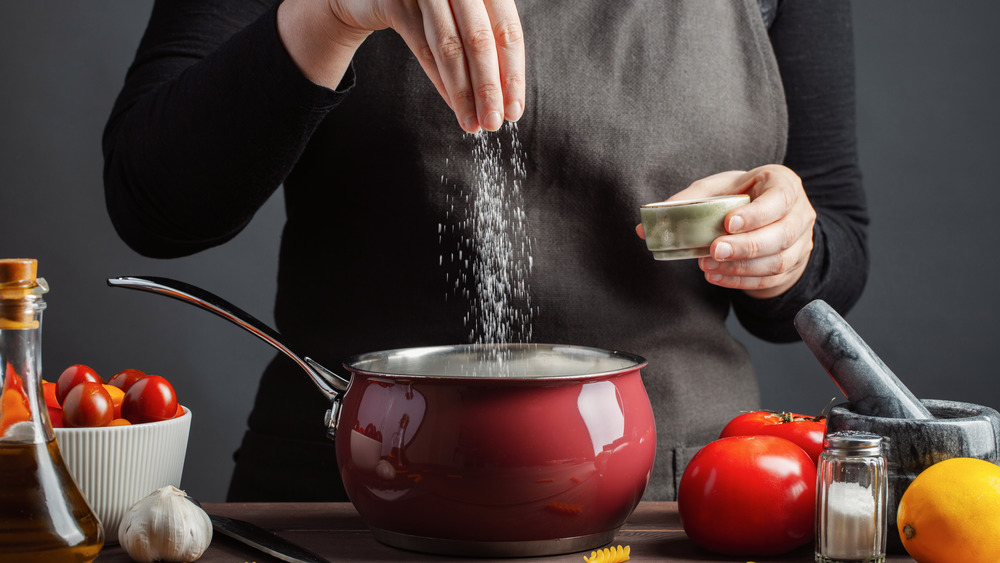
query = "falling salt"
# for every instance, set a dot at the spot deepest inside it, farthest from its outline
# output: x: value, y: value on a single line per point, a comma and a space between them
x: 499, y: 246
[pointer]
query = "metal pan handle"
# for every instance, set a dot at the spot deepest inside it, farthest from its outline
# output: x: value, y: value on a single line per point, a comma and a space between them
x: 331, y: 385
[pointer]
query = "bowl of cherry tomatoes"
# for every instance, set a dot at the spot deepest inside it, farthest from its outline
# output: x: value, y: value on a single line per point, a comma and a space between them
x: 120, y: 439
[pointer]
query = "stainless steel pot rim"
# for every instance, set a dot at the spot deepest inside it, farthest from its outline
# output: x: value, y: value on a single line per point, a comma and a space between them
x: 517, y: 361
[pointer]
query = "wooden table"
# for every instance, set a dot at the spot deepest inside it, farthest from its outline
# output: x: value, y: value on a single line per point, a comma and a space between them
x: 336, y: 532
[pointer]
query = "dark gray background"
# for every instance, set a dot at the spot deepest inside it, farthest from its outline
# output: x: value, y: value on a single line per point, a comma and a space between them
x: 928, y: 121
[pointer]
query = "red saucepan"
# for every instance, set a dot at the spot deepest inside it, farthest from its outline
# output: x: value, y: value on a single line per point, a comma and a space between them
x: 479, y: 450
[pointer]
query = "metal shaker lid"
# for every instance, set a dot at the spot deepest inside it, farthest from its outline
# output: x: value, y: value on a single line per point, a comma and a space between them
x: 853, y: 443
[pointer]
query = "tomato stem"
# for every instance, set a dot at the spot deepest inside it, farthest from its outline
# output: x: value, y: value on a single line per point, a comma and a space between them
x: 786, y: 417
x: 822, y: 413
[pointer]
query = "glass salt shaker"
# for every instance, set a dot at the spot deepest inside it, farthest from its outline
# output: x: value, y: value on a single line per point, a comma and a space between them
x: 851, y: 496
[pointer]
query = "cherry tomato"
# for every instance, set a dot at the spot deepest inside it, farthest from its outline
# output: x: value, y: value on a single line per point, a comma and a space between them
x: 805, y: 431
x: 125, y: 378
x: 55, y: 417
x: 373, y: 432
x: 150, y: 399
x: 749, y: 495
x: 88, y: 404
x: 73, y: 375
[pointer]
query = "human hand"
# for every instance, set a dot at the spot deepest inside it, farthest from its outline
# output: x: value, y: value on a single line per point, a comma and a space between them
x: 472, y: 50
x: 770, y: 238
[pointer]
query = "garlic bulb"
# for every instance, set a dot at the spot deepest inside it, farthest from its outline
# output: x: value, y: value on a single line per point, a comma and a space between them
x: 165, y: 526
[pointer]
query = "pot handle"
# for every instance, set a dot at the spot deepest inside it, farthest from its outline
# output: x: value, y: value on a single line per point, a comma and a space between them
x: 331, y: 385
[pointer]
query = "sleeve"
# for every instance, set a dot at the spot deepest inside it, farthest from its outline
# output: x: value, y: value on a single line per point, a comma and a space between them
x: 211, y: 118
x: 813, y: 44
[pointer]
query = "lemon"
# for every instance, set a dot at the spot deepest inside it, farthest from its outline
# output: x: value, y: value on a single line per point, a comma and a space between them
x: 951, y: 512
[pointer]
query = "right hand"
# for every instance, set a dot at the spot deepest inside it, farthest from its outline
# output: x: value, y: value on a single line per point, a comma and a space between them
x: 472, y: 50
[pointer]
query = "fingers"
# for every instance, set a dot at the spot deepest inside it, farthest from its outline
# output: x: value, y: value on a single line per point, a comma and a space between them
x: 461, y: 40
x: 767, y: 276
x: 510, y: 50
x: 473, y: 52
x: 409, y: 23
x: 770, y: 239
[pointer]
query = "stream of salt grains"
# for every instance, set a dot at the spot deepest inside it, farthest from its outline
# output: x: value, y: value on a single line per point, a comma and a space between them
x: 494, y: 258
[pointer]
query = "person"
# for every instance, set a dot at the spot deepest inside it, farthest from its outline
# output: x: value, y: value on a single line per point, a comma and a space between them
x: 351, y: 106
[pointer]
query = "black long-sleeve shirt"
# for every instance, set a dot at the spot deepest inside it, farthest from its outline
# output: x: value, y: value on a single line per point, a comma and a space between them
x: 628, y: 102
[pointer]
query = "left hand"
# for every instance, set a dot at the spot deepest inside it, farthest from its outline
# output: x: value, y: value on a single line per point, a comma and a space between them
x: 770, y: 239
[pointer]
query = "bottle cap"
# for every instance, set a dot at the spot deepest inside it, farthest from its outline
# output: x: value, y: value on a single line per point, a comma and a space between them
x: 19, y: 285
x: 18, y: 272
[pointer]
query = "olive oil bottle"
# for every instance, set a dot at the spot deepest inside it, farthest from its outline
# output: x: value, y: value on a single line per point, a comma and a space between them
x: 43, y: 515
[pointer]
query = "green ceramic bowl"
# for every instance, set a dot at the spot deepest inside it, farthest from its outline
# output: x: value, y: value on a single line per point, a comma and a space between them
x: 686, y: 228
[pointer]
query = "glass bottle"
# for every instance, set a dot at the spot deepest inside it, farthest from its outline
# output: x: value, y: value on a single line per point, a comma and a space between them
x: 43, y: 515
x: 851, y: 496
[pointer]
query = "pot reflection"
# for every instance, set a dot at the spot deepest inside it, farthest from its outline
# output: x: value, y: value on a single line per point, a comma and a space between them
x: 380, y: 431
x: 605, y: 424
x: 496, y: 460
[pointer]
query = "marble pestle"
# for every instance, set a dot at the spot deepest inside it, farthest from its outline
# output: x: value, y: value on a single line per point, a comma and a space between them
x: 869, y: 385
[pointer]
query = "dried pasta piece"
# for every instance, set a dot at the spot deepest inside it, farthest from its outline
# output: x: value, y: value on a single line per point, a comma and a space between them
x: 616, y: 554
x: 565, y: 507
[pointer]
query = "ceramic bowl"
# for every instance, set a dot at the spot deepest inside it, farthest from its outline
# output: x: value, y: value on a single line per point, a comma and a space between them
x: 686, y: 228
x: 115, y: 466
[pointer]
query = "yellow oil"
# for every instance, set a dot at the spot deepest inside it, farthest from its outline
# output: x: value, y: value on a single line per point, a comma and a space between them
x: 43, y: 516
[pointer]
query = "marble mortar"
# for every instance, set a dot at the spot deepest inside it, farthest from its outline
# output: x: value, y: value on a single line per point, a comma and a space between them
x: 912, y: 445
x: 918, y: 433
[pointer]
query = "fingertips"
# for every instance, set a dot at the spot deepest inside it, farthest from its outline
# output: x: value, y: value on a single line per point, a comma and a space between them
x: 469, y: 123
x: 707, y: 264
x: 736, y: 223
x: 759, y: 213
x: 513, y: 110
x: 492, y: 121
x: 722, y: 251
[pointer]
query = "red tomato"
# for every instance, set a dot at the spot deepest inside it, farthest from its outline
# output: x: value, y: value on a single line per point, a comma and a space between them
x: 71, y: 376
x: 88, y: 404
x: 749, y: 495
x: 55, y: 417
x: 125, y: 378
x: 150, y: 399
x: 805, y: 431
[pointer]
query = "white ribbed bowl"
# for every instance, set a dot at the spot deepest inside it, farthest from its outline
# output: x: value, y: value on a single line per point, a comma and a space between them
x: 115, y: 466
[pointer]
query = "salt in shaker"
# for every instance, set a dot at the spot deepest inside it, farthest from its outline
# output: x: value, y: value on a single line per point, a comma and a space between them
x: 851, y: 491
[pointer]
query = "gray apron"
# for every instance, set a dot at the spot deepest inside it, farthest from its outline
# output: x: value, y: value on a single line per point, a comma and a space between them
x: 627, y: 103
